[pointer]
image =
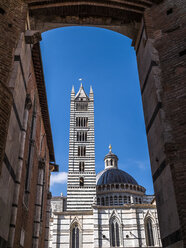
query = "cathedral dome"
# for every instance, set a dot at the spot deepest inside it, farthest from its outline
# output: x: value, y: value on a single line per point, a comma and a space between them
x: 114, y: 175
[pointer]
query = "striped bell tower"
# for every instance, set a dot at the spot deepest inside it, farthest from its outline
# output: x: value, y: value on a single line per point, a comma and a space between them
x: 81, y: 186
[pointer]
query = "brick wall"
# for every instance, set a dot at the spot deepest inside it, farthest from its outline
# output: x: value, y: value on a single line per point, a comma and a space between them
x: 162, y: 70
x: 12, y: 22
x: 161, y: 55
x: 22, y: 83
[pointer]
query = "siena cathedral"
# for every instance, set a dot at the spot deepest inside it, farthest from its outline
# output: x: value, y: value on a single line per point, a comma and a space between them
x: 109, y: 209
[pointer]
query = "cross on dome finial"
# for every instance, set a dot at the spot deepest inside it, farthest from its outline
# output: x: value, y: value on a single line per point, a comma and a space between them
x: 110, y: 148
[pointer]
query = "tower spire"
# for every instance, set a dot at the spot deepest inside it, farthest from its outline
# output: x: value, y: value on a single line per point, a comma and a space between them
x: 91, y: 90
x: 72, y: 91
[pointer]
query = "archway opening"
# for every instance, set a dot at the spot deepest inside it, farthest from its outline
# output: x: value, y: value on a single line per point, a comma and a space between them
x: 107, y: 61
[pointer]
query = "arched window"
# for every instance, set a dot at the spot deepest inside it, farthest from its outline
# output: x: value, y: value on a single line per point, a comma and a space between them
x: 111, y: 201
x: 81, y: 182
x: 75, y: 237
x: 115, y: 200
x: 98, y: 201
x: 120, y: 200
x: 81, y: 166
x: 107, y: 201
x: 111, y: 162
x: 125, y: 199
x: 114, y: 233
x: 102, y: 201
x: 149, y: 233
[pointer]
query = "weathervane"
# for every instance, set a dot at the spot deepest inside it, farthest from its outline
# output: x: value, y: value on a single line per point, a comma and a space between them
x: 110, y: 148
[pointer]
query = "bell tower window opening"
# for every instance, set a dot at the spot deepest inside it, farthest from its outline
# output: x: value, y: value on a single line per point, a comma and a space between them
x: 82, y: 106
x: 81, y: 151
x: 82, y: 136
x: 81, y: 182
x: 81, y: 121
x: 81, y: 166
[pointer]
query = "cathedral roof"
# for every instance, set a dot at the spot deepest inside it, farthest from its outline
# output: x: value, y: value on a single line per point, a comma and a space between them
x: 114, y: 175
x: 81, y: 93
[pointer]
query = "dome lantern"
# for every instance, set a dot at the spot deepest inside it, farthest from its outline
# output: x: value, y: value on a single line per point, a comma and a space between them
x: 111, y: 160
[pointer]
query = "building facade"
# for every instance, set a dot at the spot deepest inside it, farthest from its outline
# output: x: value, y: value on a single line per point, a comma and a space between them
x: 107, y: 210
x: 29, y: 154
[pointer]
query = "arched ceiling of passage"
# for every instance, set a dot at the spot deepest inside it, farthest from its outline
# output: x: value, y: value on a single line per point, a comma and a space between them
x: 122, y: 16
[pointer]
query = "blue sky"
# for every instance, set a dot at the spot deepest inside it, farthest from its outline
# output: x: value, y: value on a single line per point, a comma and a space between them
x: 105, y: 60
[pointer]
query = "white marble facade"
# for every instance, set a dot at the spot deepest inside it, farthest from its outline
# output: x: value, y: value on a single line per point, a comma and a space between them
x: 95, y: 226
x: 107, y: 210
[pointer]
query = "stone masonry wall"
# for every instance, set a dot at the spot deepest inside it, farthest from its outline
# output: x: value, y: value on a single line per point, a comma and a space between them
x: 161, y: 57
x: 22, y: 83
x: 12, y: 23
x: 26, y: 213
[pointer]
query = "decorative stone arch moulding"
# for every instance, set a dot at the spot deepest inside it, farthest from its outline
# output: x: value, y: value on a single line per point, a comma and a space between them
x: 74, y: 222
x: 150, y: 215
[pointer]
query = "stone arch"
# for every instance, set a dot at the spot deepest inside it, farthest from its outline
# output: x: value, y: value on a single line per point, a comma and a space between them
x: 152, y: 38
x: 120, y: 16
